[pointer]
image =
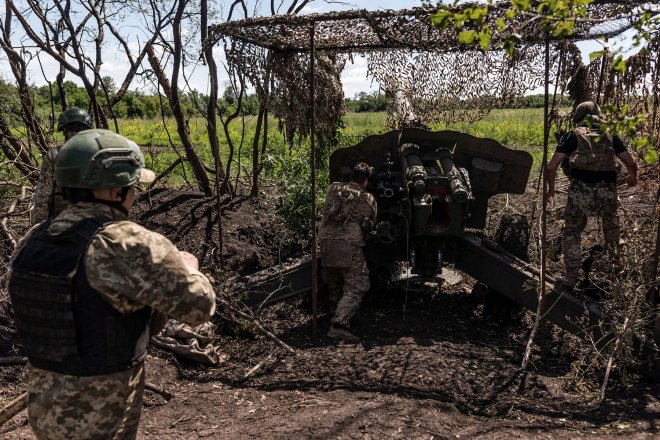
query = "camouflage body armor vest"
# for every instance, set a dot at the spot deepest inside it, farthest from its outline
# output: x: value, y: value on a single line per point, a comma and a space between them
x: 63, y: 323
x: 339, y: 207
x: 594, y: 152
x: 340, y: 232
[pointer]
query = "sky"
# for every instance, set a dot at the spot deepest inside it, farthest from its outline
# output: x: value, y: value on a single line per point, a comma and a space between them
x: 354, y: 77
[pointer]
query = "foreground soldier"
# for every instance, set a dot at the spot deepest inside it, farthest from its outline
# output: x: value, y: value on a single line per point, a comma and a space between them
x: 349, y: 214
x: 592, y: 190
x: 48, y: 200
x: 84, y: 285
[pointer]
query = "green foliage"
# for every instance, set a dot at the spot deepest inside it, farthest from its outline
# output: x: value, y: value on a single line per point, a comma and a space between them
x: 366, y: 102
x: 134, y: 103
x: 628, y: 127
x: 294, y: 173
x: 558, y: 18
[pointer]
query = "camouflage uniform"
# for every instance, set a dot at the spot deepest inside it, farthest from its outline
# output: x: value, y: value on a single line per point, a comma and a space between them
x: 595, y: 153
x: 342, y: 240
x: 129, y: 267
x: 48, y: 200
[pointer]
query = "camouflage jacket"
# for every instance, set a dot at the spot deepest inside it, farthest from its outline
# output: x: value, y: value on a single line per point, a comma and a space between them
x: 48, y: 200
x: 130, y: 267
x: 345, y: 205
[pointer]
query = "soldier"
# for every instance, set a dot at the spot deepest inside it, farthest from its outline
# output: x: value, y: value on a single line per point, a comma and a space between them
x: 592, y: 190
x: 48, y: 200
x: 349, y: 214
x: 84, y: 285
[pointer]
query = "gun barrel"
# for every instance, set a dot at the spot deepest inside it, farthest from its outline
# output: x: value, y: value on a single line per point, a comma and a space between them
x: 458, y: 189
x: 413, y: 167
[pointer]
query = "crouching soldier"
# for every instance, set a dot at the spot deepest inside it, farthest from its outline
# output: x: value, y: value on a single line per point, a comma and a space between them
x: 349, y: 214
x: 84, y: 286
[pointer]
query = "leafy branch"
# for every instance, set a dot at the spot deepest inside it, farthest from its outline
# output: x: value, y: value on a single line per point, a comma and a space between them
x: 501, y: 25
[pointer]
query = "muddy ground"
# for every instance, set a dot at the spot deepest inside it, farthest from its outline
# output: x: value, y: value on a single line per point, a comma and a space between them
x: 434, y: 361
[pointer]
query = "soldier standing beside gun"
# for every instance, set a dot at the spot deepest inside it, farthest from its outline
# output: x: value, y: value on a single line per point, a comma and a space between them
x: 84, y: 285
x: 48, y: 200
x: 349, y: 215
x: 592, y: 190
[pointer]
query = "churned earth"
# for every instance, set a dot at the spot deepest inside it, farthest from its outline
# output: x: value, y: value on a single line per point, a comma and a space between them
x: 435, y: 362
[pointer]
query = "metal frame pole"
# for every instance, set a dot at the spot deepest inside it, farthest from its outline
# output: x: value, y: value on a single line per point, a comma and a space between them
x: 544, y: 162
x: 313, y: 163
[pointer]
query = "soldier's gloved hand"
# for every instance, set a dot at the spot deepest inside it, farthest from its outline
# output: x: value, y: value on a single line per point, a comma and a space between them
x: 366, y: 225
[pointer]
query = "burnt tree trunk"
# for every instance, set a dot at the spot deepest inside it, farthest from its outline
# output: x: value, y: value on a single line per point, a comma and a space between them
x: 212, y: 125
x: 255, y: 152
x: 172, y: 95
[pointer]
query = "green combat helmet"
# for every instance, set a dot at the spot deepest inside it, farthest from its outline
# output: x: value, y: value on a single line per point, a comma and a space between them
x: 586, y: 109
x: 97, y: 159
x: 76, y: 118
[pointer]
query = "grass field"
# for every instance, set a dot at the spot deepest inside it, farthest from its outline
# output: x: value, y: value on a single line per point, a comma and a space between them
x: 518, y: 128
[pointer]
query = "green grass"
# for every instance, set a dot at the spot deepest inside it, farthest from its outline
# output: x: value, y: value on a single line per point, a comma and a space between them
x: 516, y: 128
x: 519, y: 128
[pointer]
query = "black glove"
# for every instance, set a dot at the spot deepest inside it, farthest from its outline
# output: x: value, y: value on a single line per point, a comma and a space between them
x: 366, y: 225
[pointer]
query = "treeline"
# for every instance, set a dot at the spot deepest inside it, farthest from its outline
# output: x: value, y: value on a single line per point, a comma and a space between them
x: 134, y: 103
x: 139, y: 104
x: 377, y: 102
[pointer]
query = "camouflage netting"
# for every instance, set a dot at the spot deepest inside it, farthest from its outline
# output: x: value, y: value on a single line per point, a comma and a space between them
x: 284, y: 87
x: 447, y: 87
x: 433, y: 78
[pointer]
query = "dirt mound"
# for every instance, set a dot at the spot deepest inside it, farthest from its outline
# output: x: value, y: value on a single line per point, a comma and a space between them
x: 254, y: 235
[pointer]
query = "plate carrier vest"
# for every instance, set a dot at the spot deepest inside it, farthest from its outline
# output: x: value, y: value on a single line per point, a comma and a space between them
x: 63, y: 323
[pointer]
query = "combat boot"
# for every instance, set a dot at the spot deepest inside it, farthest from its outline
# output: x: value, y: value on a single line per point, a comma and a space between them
x: 567, y: 282
x: 337, y: 332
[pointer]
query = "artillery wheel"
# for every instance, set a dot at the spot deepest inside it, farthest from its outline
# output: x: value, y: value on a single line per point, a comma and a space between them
x: 513, y: 235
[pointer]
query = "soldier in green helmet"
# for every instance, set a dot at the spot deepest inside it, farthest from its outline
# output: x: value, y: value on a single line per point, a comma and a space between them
x: 48, y: 200
x: 592, y: 191
x: 85, y: 287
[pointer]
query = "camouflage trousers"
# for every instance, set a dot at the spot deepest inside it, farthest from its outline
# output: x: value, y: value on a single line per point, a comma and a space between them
x: 588, y: 200
x: 63, y: 407
x: 350, y: 285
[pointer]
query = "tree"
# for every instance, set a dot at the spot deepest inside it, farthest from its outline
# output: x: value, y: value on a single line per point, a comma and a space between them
x: 73, y: 33
x: 109, y: 84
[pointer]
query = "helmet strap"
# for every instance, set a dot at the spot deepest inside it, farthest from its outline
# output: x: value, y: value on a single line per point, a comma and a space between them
x: 124, y: 193
x: 120, y: 204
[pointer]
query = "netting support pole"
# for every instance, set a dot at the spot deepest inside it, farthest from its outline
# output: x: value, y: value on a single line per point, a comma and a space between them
x: 312, y: 153
x: 541, y: 307
x: 602, y: 74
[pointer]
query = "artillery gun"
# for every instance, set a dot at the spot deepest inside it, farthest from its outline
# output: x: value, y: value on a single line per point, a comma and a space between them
x: 430, y: 187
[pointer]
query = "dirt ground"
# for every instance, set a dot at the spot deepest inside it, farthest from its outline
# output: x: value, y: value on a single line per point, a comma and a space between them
x: 434, y: 362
